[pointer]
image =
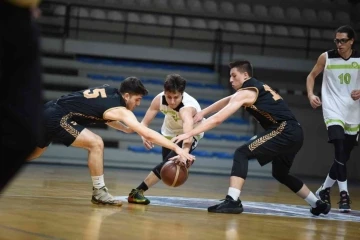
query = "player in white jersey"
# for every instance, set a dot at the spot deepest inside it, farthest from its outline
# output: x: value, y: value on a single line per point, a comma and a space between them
x: 179, y: 109
x: 340, y: 95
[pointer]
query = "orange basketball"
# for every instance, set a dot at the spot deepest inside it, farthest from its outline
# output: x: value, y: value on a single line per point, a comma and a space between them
x: 173, y: 174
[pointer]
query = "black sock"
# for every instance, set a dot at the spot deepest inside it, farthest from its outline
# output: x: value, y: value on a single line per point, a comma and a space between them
x: 143, y: 186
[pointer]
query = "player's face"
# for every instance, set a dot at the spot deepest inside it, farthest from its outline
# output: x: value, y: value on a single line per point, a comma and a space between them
x: 132, y: 101
x: 343, y: 42
x: 173, y: 99
x: 237, y: 78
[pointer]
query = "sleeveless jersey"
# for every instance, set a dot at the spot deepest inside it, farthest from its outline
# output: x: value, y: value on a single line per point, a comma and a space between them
x: 172, y: 124
x: 269, y: 109
x: 88, y: 106
x: 340, y: 77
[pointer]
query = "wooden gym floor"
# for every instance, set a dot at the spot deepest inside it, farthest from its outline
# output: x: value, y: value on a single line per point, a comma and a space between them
x: 53, y: 202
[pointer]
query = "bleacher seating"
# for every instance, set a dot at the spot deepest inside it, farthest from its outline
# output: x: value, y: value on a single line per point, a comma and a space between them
x: 291, y: 24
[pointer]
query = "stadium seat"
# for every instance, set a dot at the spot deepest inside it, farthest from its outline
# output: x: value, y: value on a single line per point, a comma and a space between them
x: 325, y: 16
x: 210, y: 6
x: 161, y: 3
x: 79, y: 12
x: 232, y: 26
x: 293, y: 13
x: 149, y: 19
x: 227, y: 7
x: 97, y: 14
x: 214, y: 24
x: 165, y: 20
x: 198, y: 23
x: 182, y: 22
x: 260, y: 11
x: 309, y: 15
x: 60, y: 10
x: 296, y: 32
x: 133, y: 17
x: 194, y: 5
x: 247, y: 28
x: 276, y: 12
x: 177, y: 4
x: 244, y: 10
x: 115, y: 16
x: 280, y: 30
x: 342, y: 17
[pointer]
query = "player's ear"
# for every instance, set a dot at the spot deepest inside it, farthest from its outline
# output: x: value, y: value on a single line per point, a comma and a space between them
x: 126, y: 96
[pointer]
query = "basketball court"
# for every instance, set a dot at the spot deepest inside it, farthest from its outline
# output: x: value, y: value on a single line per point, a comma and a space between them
x: 53, y: 202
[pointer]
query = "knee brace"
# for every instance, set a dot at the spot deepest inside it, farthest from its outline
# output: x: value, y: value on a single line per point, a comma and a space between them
x: 240, y: 162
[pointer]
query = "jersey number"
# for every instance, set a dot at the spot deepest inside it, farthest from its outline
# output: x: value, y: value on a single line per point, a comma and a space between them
x: 345, y: 78
x: 95, y: 93
x: 275, y: 95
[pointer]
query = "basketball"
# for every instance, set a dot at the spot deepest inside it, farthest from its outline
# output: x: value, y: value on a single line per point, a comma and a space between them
x: 173, y: 174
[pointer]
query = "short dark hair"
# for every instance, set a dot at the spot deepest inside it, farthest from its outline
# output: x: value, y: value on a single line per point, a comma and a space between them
x: 348, y: 30
x: 174, y: 83
x: 242, y: 66
x: 133, y: 85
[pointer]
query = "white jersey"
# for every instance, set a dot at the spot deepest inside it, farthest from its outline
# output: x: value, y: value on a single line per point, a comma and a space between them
x: 340, y: 78
x: 173, y: 125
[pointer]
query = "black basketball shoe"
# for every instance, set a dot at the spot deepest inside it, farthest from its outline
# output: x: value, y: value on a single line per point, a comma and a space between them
x: 229, y: 205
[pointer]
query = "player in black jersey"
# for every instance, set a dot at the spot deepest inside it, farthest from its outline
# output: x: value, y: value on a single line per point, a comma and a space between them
x: 65, y: 120
x: 279, y: 143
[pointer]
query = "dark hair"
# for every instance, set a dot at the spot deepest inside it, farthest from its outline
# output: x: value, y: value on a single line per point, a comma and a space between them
x: 348, y: 30
x: 174, y: 83
x: 132, y: 85
x: 242, y: 66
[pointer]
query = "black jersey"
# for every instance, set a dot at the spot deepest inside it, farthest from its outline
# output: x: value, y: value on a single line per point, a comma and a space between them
x: 269, y: 109
x: 88, y: 106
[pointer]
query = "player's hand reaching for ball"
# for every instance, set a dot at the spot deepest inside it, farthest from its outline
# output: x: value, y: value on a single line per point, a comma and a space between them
x: 314, y: 101
x: 180, y: 137
x: 181, y: 161
x: 184, y: 155
x: 148, y: 145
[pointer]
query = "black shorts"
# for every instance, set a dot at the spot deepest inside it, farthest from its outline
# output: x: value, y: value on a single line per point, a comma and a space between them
x: 58, y: 125
x: 281, y: 142
x: 167, y: 153
x: 337, y: 132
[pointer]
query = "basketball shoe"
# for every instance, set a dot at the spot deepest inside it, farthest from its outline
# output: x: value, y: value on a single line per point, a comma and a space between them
x: 344, y: 203
x: 229, y: 205
x: 137, y: 196
x: 102, y: 196
x: 321, y: 207
x: 324, y: 194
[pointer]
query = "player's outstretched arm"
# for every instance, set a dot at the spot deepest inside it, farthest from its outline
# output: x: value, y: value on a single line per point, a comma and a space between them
x: 237, y: 100
x: 119, y: 126
x: 310, y: 80
x: 150, y: 114
x: 126, y: 116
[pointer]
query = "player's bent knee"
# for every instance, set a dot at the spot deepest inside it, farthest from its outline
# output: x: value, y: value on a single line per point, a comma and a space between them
x: 156, y: 170
x: 279, y: 177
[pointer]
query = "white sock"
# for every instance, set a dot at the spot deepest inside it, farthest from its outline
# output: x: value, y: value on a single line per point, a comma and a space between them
x: 329, y: 182
x: 98, y: 181
x: 343, y: 186
x: 234, y: 193
x: 311, y: 199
